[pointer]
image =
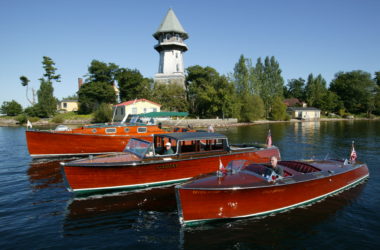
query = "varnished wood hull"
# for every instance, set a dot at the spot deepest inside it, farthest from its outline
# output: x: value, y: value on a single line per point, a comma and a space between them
x: 128, y: 176
x: 55, y: 144
x: 198, y: 205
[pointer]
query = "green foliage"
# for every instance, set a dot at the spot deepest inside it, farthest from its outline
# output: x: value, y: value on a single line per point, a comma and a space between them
x: 11, y: 108
x: 58, y: 119
x: 103, y: 113
x: 172, y: 97
x: 330, y: 102
x: 315, y: 91
x: 92, y: 94
x: 21, y: 118
x: 355, y: 89
x: 210, y: 94
x: 377, y: 78
x: 296, y: 88
x: 252, y: 108
x: 102, y: 72
x: 48, y: 65
x: 267, y: 81
x: 133, y: 85
x: 241, y: 77
x: 278, y: 112
x: 24, y: 81
x: 46, y: 101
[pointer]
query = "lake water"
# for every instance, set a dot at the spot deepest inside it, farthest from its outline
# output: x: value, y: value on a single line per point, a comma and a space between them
x: 37, y: 212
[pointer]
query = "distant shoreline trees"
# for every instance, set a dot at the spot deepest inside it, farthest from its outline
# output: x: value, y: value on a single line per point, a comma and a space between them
x: 250, y: 92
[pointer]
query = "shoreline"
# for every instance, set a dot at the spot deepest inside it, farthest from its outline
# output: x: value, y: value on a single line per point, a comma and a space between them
x: 218, y: 123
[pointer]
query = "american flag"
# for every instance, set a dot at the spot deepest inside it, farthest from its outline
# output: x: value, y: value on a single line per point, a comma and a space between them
x: 221, y: 166
x: 269, y: 140
x: 353, y: 155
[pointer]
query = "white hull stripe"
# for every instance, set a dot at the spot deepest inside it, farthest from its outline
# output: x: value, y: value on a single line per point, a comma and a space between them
x: 134, y: 186
x: 279, y: 209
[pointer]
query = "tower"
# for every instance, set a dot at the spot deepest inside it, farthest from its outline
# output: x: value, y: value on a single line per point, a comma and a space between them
x: 170, y: 36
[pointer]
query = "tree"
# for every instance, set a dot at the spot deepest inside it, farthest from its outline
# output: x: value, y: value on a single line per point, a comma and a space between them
x: 91, y: 95
x: 296, y: 88
x: 315, y: 90
x: 99, y: 86
x: 11, y: 108
x: 200, y: 82
x: 270, y: 83
x: 278, y: 111
x: 102, y: 72
x: 172, y: 97
x: 133, y: 85
x: 377, y: 78
x: 25, y: 82
x: 252, y: 108
x: 46, y: 101
x: 241, y: 77
x: 330, y: 102
x: 356, y: 89
x: 103, y: 113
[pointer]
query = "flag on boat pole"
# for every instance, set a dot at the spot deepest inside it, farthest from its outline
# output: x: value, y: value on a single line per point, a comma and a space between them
x: 222, y: 169
x: 28, y: 124
x: 353, y: 155
x: 269, y: 139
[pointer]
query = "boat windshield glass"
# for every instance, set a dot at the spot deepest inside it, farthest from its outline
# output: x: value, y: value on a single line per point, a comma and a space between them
x: 236, y: 166
x: 139, y: 147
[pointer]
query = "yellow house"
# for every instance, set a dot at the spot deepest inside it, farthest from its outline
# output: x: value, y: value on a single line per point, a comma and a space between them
x: 68, y: 105
x: 138, y: 106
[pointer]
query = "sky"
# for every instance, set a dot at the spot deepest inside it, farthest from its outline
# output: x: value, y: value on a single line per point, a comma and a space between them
x: 305, y: 36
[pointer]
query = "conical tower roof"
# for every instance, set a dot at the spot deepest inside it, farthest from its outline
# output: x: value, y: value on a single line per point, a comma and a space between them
x: 170, y: 24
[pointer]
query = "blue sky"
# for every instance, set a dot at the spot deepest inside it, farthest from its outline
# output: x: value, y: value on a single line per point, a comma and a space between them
x: 305, y: 36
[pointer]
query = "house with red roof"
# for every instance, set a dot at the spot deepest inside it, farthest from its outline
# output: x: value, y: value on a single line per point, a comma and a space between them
x: 132, y: 107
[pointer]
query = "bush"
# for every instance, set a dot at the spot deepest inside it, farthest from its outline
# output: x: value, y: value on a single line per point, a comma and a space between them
x: 22, y: 118
x: 58, y: 119
x: 11, y: 108
x: 278, y: 112
x: 103, y: 113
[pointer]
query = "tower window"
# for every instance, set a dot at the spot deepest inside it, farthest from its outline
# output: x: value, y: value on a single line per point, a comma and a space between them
x: 176, y: 55
x: 177, y: 68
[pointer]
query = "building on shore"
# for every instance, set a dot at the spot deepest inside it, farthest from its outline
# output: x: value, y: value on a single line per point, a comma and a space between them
x: 170, y: 36
x: 68, y: 105
x: 132, y: 107
x: 305, y: 113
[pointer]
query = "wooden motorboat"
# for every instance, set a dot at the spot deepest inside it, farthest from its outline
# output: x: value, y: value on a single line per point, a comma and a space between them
x: 144, y: 164
x: 244, y: 190
x: 89, y: 139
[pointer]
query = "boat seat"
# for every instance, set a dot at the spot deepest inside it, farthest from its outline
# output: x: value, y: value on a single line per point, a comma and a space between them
x: 299, y: 166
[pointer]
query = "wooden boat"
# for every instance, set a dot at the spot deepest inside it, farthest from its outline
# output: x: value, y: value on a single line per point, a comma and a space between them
x: 143, y: 165
x: 88, y: 139
x: 245, y: 191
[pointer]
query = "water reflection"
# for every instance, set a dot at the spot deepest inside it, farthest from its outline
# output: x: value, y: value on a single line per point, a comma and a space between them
x: 44, y: 174
x: 285, y: 230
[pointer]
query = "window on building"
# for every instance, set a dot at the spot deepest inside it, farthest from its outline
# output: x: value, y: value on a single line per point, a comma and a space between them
x: 177, y: 68
x: 134, y: 110
x: 65, y: 104
x: 154, y: 109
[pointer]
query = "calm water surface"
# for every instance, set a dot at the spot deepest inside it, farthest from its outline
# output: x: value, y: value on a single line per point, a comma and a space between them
x: 37, y: 212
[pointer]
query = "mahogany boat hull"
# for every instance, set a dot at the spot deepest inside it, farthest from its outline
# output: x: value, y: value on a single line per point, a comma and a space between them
x: 55, y: 144
x: 202, y: 204
x: 84, y: 179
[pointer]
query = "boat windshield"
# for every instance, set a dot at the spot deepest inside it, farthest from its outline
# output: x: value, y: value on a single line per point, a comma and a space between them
x: 236, y: 166
x: 139, y: 147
